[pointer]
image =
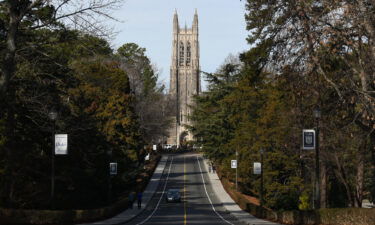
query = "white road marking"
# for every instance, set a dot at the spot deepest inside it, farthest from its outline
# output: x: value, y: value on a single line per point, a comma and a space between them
x: 161, y: 197
x: 208, y: 196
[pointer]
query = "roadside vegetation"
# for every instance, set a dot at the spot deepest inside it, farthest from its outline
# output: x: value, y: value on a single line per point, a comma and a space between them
x: 304, y: 55
x: 103, y: 98
x: 55, y: 56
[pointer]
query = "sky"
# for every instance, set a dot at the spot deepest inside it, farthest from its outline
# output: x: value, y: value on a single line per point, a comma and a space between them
x: 148, y: 23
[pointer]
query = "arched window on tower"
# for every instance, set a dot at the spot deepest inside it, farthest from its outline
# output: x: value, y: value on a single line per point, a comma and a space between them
x: 188, y: 54
x: 182, y: 52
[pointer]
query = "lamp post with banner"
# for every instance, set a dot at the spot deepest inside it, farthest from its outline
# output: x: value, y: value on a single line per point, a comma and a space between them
x: 111, y: 170
x: 258, y: 170
x: 234, y: 165
x: 53, y: 117
x: 317, y: 115
x: 236, y: 170
x: 261, y: 177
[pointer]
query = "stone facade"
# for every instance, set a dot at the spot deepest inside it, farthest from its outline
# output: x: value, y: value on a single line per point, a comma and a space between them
x: 184, y: 77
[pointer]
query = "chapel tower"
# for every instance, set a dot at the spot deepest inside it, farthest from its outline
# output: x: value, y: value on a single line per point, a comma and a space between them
x: 184, y: 77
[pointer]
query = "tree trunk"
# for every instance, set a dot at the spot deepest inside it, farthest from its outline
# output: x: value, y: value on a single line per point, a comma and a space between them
x: 359, y: 183
x: 7, y: 91
x: 8, y: 65
x: 360, y: 175
x: 341, y: 174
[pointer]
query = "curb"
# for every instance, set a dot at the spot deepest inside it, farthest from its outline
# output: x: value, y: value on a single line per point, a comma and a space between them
x: 239, y: 214
x: 148, y: 194
x: 154, y: 177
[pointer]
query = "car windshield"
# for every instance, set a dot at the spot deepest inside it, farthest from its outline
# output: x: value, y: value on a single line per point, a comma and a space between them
x: 173, y: 192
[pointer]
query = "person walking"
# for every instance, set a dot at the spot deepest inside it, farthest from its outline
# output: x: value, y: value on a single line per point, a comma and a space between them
x: 139, y: 197
x: 131, y: 199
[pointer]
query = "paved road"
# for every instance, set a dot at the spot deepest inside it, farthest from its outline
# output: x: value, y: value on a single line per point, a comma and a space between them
x: 199, y: 204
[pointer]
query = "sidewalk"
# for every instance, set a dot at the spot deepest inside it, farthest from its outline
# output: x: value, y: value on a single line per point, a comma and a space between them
x: 229, y: 204
x: 129, y: 214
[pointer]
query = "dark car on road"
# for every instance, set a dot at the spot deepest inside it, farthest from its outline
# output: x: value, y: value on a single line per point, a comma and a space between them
x: 173, y: 195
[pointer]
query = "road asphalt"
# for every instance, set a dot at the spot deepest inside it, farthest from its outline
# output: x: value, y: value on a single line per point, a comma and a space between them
x: 204, y: 200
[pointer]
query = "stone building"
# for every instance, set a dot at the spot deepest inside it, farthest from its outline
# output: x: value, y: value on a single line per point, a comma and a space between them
x: 184, y: 77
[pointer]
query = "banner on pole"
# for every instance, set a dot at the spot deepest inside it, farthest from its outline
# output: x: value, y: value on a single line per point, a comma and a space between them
x: 257, y: 168
x: 113, y: 168
x: 61, y: 144
x: 308, y: 142
x: 233, y: 164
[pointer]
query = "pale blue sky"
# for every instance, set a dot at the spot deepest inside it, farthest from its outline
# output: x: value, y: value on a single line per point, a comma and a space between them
x: 148, y: 23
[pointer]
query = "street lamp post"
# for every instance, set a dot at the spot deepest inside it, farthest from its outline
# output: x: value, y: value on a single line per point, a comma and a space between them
x: 261, y: 177
x: 109, y: 194
x: 53, y: 116
x: 317, y: 115
x: 237, y: 171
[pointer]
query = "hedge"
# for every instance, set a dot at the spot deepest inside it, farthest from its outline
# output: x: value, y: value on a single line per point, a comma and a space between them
x: 19, y: 216
x: 331, y: 216
x: 60, y: 217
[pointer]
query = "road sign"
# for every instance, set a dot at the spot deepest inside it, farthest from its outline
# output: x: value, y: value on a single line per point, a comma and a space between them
x: 113, y: 168
x: 61, y: 144
x: 233, y: 164
x: 154, y: 147
x: 308, y: 139
x: 257, y: 168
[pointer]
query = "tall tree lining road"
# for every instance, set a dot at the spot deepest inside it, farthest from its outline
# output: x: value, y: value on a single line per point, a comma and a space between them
x: 199, y: 205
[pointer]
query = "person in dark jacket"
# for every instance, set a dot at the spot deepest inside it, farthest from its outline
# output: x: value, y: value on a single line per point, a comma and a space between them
x: 139, y: 197
x: 131, y: 199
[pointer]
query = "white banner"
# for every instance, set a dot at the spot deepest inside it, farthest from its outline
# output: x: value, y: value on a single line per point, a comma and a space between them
x: 257, y: 168
x: 61, y: 144
x: 233, y: 164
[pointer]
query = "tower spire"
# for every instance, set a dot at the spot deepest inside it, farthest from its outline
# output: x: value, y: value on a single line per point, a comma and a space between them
x: 195, y: 21
x: 176, y: 26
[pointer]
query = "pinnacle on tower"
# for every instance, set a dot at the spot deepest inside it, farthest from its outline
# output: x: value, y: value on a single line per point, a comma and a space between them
x: 195, y: 21
x: 176, y: 26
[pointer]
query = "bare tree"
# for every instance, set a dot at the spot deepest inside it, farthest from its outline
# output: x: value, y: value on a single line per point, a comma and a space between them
x: 85, y: 15
x: 300, y: 32
x: 152, y: 106
x: 313, y: 36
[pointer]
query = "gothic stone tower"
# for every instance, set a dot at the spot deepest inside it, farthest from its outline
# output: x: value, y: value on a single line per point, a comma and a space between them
x: 184, y: 77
